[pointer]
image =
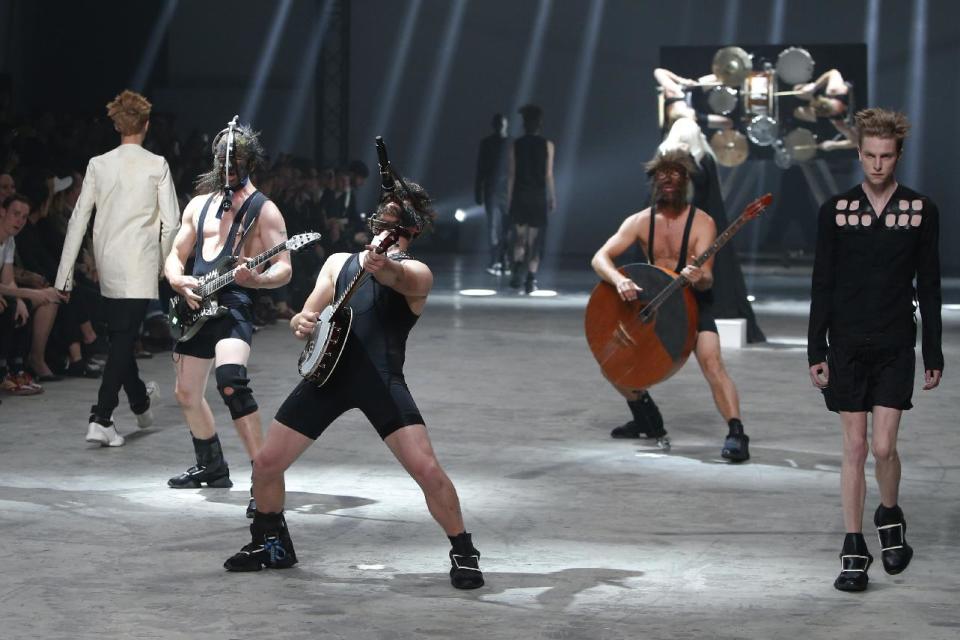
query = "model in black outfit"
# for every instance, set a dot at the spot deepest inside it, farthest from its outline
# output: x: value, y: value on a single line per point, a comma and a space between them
x: 490, y: 190
x: 871, y: 243
x: 532, y: 195
x: 368, y: 376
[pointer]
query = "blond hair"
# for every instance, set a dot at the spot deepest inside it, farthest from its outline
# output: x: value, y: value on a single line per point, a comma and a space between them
x: 882, y: 123
x: 129, y: 112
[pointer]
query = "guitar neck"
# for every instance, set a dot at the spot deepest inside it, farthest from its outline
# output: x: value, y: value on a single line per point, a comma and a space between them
x: 680, y: 281
x: 351, y: 288
x: 221, y: 281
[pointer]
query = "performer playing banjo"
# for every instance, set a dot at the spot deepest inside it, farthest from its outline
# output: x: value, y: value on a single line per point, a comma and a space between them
x: 367, y: 375
x: 685, y: 233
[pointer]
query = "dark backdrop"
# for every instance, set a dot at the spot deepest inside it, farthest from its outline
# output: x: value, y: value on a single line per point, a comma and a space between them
x: 77, y: 55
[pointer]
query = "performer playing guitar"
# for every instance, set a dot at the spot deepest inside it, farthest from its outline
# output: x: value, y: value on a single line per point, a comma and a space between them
x: 685, y: 232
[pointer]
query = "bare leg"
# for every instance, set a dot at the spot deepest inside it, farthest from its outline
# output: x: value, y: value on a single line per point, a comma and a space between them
x: 43, y: 319
x: 886, y: 425
x: 411, y: 446
x: 282, y: 447
x: 721, y: 385
x: 236, y: 351
x: 853, y: 485
x: 89, y: 335
x: 533, y: 250
x: 190, y: 389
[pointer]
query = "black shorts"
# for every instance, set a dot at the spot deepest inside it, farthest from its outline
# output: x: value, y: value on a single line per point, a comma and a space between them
x: 705, y: 320
x: 236, y: 323
x: 355, y: 384
x: 863, y: 377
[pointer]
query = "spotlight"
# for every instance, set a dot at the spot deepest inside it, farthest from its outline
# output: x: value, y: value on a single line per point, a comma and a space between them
x: 751, y: 298
x: 477, y: 292
x: 460, y: 215
x: 543, y: 293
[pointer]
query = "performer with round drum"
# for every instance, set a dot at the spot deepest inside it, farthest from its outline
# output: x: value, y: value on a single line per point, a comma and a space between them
x: 684, y: 232
x: 368, y: 375
x: 872, y: 241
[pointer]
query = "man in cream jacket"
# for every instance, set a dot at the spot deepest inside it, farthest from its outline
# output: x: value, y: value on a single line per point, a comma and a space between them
x: 137, y: 216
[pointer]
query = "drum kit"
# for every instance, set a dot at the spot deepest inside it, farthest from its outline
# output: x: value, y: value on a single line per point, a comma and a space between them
x: 756, y: 93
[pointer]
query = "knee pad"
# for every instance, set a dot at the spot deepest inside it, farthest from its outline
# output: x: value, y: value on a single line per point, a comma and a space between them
x: 233, y: 385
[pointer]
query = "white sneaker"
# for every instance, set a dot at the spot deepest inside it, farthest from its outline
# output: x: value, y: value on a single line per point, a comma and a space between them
x: 145, y: 419
x: 104, y: 436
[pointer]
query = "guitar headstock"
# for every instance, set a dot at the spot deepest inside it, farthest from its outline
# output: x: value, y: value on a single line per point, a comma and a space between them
x: 756, y: 207
x: 302, y: 240
x: 389, y: 240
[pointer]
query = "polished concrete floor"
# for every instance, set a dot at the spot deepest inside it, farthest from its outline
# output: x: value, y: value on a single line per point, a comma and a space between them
x: 582, y: 536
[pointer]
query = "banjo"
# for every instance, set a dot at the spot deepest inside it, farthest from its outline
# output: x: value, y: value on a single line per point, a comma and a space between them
x: 325, y: 345
x: 189, y: 321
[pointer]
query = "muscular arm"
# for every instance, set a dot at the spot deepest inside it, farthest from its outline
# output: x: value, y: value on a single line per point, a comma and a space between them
x: 183, y: 243
x: 410, y: 278
x: 615, y: 246
x: 303, y: 323
x: 672, y: 83
x: 272, y: 231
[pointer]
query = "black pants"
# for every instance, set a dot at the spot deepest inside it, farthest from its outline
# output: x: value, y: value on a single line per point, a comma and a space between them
x: 124, y: 317
x: 14, y: 340
x: 495, y: 204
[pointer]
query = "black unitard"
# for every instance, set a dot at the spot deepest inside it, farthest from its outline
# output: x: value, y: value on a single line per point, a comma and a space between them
x: 369, y: 375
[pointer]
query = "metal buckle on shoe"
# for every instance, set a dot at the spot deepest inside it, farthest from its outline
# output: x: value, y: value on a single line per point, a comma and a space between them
x: 891, y: 533
x: 854, y: 563
x: 457, y: 565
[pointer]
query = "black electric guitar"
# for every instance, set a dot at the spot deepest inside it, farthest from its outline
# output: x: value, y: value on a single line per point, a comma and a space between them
x: 325, y: 345
x: 188, y: 321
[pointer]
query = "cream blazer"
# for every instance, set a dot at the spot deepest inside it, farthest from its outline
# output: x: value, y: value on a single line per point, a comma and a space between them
x: 137, y: 219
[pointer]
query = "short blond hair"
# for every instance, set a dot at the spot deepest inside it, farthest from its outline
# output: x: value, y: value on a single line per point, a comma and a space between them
x: 130, y: 112
x: 882, y: 123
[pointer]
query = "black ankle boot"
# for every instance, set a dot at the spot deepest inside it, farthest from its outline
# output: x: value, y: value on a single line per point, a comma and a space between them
x: 530, y: 285
x: 211, y: 469
x: 647, y: 421
x: 465, y: 572
x: 516, y: 277
x: 855, y: 560
x: 736, y: 446
x: 270, y: 546
x: 892, y: 529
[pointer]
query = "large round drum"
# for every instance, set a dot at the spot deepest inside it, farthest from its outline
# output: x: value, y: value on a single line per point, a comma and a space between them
x: 633, y: 353
x: 795, y: 66
x: 762, y: 130
x: 722, y: 100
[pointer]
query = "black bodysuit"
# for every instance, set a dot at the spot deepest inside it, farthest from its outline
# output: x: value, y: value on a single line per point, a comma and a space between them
x: 238, y: 322
x: 369, y: 375
x: 862, y: 291
x: 705, y: 320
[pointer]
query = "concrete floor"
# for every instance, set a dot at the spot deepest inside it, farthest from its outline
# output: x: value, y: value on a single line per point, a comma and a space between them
x: 582, y: 536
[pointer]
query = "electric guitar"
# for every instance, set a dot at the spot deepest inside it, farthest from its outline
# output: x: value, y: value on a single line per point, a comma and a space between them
x: 325, y: 345
x: 188, y: 321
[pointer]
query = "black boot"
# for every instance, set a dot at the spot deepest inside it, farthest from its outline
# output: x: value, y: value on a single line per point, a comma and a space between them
x: 647, y: 421
x: 270, y: 546
x: 892, y: 529
x: 465, y: 572
x: 211, y: 469
x: 854, y: 562
x: 516, y: 277
x: 530, y: 285
x: 736, y: 447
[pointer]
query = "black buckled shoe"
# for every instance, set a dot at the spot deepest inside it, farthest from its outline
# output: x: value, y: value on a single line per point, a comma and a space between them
x: 891, y: 529
x: 465, y: 560
x: 269, y: 548
x: 855, y: 560
x: 736, y: 447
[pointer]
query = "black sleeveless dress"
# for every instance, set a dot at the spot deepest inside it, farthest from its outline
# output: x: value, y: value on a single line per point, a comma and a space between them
x: 528, y: 205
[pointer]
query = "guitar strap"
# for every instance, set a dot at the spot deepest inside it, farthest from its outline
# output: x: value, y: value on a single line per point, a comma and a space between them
x: 248, y: 214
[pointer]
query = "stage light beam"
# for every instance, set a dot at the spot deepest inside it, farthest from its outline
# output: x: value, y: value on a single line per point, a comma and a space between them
x: 149, y: 57
x: 251, y: 103
x: 916, y: 85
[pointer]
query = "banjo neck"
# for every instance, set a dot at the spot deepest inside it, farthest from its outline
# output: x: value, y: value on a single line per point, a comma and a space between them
x: 362, y: 275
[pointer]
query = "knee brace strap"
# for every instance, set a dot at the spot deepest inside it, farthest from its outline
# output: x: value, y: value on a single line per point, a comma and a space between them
x: 233, y: 385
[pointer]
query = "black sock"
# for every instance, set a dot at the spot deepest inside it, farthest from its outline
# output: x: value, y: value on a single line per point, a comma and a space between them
x: 888, y: 515
x: 736, y: 427
x: 854, y: 545
x: 462, y: 544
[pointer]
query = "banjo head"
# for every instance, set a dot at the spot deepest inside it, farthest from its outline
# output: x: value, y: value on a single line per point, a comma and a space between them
x: 636, y: 354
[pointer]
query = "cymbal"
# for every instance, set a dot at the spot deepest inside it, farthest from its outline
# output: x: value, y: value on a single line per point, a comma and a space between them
x: 731, y: 65
x: 730, y: 146
x: 801, y: 144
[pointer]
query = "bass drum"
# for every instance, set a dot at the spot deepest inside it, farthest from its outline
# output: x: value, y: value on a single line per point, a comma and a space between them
x: 722, y: 100
x: 630, y: 352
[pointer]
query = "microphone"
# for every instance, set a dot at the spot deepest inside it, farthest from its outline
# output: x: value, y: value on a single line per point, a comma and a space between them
x: 227, y: 202
x: 387, y: 184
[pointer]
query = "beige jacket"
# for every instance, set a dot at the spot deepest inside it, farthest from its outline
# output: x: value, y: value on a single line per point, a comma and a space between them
x: 137, y: 219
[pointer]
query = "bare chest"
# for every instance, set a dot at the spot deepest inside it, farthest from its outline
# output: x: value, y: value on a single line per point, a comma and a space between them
x: 218, y: 233
x: 667, y: 246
